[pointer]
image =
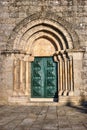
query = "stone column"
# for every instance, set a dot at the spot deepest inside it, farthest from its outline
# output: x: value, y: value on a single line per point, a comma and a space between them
x: 60, y: 75
x: 27, y: 79
x: 66, y: 74
x: 14, y: 77
x: 71, y: 77
x: 58, y: 64
x: 63, y: 73
x: 28, y: 59
x: 21, y: 77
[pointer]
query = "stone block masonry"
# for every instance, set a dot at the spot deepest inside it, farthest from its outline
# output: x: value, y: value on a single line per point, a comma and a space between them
x: 15, y: 16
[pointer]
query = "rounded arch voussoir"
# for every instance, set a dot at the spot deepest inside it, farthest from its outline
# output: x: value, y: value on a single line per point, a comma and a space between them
x: 61, y: 28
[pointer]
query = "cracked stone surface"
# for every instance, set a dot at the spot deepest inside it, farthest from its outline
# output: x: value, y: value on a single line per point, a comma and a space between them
x: 43, y: 118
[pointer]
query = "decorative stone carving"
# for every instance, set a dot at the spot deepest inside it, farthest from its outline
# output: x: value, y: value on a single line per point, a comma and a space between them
x: 65, y: 73
x: 21, y: 73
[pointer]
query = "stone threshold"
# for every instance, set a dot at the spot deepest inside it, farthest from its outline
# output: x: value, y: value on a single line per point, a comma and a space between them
x: 62, y: 100
x: 41, y: 99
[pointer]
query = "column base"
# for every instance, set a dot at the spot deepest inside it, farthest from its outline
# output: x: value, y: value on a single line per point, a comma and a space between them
x: 65, y: 93
x: 71, y: 93
x: 26, y: 93
x: 21, y: 93
x: 60, y: 93
x: 15, y: 93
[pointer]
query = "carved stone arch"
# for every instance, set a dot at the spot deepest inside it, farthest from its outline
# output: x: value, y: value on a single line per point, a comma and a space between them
x: 54, y: 25
x: 41, y: 26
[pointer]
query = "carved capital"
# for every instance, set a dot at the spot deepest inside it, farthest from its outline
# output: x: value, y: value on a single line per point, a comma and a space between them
x: 13, y: 56
x: 70, y: 57
x: 18, y: 56
x: 60, y: 57
x: 21, y: 56
x: 55, y: 58
x: 29, y: 58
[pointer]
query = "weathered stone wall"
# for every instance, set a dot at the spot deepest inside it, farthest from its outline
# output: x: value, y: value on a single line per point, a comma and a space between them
x: 14, y: 11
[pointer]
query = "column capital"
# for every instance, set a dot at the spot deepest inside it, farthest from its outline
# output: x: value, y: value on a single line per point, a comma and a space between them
x: 70, y: 57
x: 29, y: 58
x: 15, y: 62
x: 60, y: 58
x: 65, y: 57
x: 23, y: 57
x: 55, y: 58
x: 18, y: 56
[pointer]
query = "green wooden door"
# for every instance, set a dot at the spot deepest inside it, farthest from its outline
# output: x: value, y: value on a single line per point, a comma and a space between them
x: 43, y: 78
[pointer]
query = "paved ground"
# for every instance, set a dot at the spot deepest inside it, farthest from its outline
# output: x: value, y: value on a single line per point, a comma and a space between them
x: 43, y: 118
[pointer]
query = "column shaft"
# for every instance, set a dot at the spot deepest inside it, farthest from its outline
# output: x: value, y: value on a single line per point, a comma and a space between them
x: 66, y: 75
x: 27, y: 78
x: 60, y: 75
x: 71, y: 77
x: 15, y: 76
x: 22, y: 87
x: 58, y: 63
x: 63, y: 77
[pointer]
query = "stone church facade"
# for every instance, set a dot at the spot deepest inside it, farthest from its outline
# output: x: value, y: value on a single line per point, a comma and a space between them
x: 43, y: 51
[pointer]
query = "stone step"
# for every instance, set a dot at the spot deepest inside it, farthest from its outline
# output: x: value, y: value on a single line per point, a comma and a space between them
x: 24, y: 100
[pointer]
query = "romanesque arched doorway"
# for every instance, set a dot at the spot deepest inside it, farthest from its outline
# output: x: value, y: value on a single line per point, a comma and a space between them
x: 43, y: 38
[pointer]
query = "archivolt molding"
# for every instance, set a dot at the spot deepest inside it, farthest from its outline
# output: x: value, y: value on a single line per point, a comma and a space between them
x: 41, y: 30
x: 45, y: 36
x: 34, y: 27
